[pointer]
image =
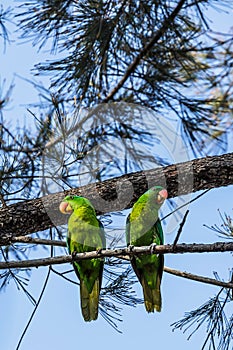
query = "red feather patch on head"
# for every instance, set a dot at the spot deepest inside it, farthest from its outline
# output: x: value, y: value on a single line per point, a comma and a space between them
x: 65, y: 208
x: 162, y: 195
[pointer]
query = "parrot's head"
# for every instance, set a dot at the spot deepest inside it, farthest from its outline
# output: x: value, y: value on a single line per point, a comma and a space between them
x: 157, y: 194
x: 70, y: 203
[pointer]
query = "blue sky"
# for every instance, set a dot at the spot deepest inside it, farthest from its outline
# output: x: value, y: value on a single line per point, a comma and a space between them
x: 58, y: 323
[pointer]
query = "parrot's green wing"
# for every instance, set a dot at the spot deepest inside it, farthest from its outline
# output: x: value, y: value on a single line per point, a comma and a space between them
x: 148, y: 268
x: 86, y: 233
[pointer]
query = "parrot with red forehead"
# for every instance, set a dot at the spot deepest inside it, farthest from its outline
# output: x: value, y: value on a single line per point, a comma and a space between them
x: 85, y: 234
x: 143, y: 228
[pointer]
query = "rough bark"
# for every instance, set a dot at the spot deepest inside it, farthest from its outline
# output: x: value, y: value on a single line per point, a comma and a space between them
x: 117, y: 194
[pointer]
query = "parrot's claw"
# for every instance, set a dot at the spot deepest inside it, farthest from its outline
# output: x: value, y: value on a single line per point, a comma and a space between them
x: 73, y: 254
x: 152, y: 248
x: 99, y: 251
x: 131, y: 248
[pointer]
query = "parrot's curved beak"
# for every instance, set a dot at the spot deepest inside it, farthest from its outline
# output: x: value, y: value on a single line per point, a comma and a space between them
x: 162, y: 196
x: 65, y: 208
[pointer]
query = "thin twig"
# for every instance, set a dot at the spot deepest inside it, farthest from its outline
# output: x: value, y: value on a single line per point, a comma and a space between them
x: 17, y: 281
x: 34, y: 311
x: 185, y: 204
x: 180, y: 229
x: 62, y: 275
x: 30, y: 240
x: 38, y: 302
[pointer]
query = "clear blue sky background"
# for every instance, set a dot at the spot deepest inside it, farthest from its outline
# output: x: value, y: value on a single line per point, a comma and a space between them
x: 58, y: 323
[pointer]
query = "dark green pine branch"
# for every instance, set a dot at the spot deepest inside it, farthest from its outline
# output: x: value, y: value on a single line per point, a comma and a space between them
x: 166, y: 24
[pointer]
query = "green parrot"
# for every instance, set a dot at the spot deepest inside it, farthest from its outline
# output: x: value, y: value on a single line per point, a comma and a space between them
x: 85, y: 233
x: 143, y: 228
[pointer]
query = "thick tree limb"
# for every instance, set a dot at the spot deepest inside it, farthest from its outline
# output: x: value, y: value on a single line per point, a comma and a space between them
x: 42, y: 213
x: 160, y: 249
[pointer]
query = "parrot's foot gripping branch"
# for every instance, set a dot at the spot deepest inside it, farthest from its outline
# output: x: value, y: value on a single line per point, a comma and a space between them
x: 131, y: 248
x: 73, y: 255
x: 152, y: 248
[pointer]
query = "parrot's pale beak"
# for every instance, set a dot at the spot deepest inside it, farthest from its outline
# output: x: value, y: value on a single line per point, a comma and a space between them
x: 162, y: 196
x: 65, y: 208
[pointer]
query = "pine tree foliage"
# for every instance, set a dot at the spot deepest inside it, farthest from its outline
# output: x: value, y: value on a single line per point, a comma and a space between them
x: 217, y: 319
x: 186, y: 71
x: 105, y: 57
x: 215, y: 314
x: 5, y: 16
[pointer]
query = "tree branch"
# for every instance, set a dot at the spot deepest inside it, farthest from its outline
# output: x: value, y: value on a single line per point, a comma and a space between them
x: 42, y: 213
x: 159, y: 249
x: 198, y: 278
x: 131, y: 68
x: 117, y: 253
x: 180, y: 229
x: 30, y: 240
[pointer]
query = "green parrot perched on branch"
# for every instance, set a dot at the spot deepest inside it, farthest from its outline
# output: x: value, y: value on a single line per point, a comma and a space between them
x: 85, y: 233
x: 143, y: 228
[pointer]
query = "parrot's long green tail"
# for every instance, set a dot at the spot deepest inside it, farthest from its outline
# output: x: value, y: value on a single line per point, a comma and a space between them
x: 89, y: 301
x: 152, y: 297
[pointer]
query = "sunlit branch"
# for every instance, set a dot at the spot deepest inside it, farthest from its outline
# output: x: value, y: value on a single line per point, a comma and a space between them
x: 160, y: 249
x: 30, y: 240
